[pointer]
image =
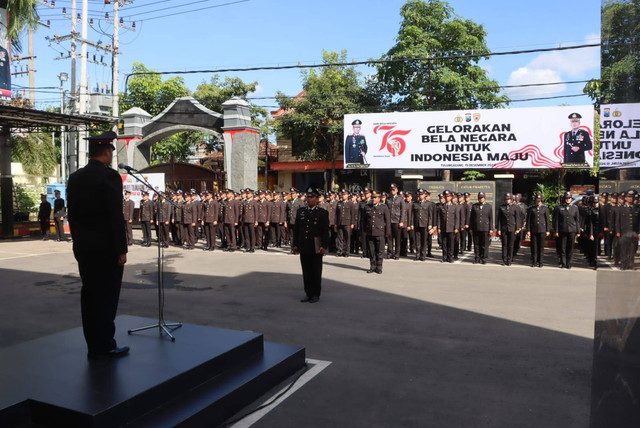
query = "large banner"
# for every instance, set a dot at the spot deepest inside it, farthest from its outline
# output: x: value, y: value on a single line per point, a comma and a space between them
x: 519, y: 138
x: 156, y: 180
x: 620, y: 135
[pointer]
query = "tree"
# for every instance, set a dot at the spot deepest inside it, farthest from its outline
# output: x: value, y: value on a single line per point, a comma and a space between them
x: 315, y: 120
x: 150, y: 93
x: 22, y: 15
x: 177, y: 145
x: 430, y: 29
x: 36, y: 152
x: 620, y: 56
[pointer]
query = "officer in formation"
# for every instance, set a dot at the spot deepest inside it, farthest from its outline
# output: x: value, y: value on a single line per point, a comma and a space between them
x: 310, y: 239
x: 44, y: 216
x: 146, y: 218
x: 424, y: 223
x: 128, y: 207
x: 508, y: 224
x: 538, y: 225
x: 378, y: 227
x: 566, y: 221
x: 481, y: 227
x: 59, y: 213
x: 627, y: 229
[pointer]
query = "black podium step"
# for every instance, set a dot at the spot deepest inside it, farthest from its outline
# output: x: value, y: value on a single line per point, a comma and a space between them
x: 203, y: 378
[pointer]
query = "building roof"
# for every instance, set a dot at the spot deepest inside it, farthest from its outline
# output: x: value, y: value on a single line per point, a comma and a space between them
x: 25, y: 118
x: 277, y: 113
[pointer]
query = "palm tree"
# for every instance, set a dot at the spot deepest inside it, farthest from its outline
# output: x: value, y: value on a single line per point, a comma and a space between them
x: 21, y: 14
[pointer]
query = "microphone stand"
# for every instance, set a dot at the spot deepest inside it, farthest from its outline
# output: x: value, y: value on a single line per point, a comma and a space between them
x: 161, y: 325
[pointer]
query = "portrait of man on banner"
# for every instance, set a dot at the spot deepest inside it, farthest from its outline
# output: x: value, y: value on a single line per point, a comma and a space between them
x: 355, y: 146
x: 577, y: 142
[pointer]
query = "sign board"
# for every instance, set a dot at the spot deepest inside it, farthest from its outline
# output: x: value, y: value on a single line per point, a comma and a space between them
x: 608, y: 186
x: 620, y: 135
x: 156, y: 180
x: 519, y: 138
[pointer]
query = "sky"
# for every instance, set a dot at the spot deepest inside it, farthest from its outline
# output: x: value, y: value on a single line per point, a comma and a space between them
x: 254, y: 33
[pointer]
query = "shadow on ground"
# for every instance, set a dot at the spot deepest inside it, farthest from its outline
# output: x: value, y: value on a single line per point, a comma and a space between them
x: 396, y: 361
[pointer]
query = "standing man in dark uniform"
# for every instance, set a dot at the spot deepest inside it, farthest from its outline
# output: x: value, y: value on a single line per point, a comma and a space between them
x: 345, y: 222
x: 59, y: 211
x: 480, y: 227
x: 231, y: 214
x: 127, y: 211
x: 538, y: 225
x: 250, y: 221
x: 295, y: 204
x: 311, y: 239
x: 211, y: 212
x: 99, y: 244
x: 465, y: 237
x: 164, y: 220
x: 44, y: 216
x: 378, y: 227
x: 507, y: 225
x: 146, y: 217
x: 355, y: 147
x: 576, y: 142
x: 566, y: 221
x: 627, y: 229
x: 448, y: 218
x: 592, y: 231
x: 189, y: 219
x: 276, y: 222
x: 396, y: 209
x: 177, y: 218
x: 517, y: 201
x: 423, y: 223
x: 264, y: 215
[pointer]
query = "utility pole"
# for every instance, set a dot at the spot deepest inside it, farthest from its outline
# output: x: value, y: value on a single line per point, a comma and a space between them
x: 73, y: 135
x: 82, y: 108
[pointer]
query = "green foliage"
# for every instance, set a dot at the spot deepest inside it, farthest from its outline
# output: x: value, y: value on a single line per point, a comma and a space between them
x: 36, y: 153
x: 179, y: 145
x: 27, y: 198
x: 472, y: 175
x: 550, y: 192
x: 22, y: 15
x: 214, y: 93
x: 620, y: 61
x: 431, y: 29
x: 315, y: 120
x: 150, y: 93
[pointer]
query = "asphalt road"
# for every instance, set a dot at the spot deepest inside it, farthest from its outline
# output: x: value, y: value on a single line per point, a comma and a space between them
x: 425, y: 344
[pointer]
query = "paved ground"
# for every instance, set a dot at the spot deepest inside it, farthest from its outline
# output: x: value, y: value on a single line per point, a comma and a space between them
x: 423, y: 345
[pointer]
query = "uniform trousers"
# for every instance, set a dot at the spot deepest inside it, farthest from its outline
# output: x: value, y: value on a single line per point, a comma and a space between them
x: 628, y: 245
x: 146, y: 232
x: 249, y: 236
x: 210, y: 235
x: 469, y: 239
x: 343, y: 240
x: 101, y: 281
x: 242, y: 237
x: 364, y: 243
x: 448, y: 239
x: 395, y: 240
x: 537, y: 247
x: 517, y: 238
x: 188, y: 232
x: 608, y: 241
x: 481, y: 241
x: 44, y: 226
x: 177, y: 233
x: 566, y: 247
x: 129, y: 233
x: 456, y: 245
x: 465, y: 240
x: 422, y: 238
x: 165, y: 229
x: 312, y: 274
x: 508, y: 243
x: 376, y: 251
x: 262, y: 240
x: 230, y: 236
x: 275, y: 234
x: 591, y: 250
x: 615, y: 249
x: 59, y: 228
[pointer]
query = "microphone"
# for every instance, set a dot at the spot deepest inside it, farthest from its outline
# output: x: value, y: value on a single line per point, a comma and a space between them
x: 127, y: 168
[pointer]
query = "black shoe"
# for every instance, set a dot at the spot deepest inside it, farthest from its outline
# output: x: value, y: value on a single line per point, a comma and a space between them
x: 475, y: 261
x: 379, y: 271
x: 314, y: 299
x: 422, y: 259
x: 483, y: 261
x: 206, y: 248
x: 533, y: 265
x: 396, y: 258
x: 114, y: 353
x: 371, y: 270
x: 305, y: 300
x: 568, y: 266
x: 431, y: 256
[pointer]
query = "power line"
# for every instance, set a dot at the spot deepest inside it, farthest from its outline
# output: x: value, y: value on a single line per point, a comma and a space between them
x: 367, y: 62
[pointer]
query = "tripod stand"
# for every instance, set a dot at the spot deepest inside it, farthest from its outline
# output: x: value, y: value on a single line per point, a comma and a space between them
x: 161, y: 325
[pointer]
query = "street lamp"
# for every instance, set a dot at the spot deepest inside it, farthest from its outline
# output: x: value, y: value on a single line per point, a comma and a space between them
x: 63, y: 142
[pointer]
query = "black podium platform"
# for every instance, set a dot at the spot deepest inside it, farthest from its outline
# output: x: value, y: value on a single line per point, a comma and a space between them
x: 202, y: 379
